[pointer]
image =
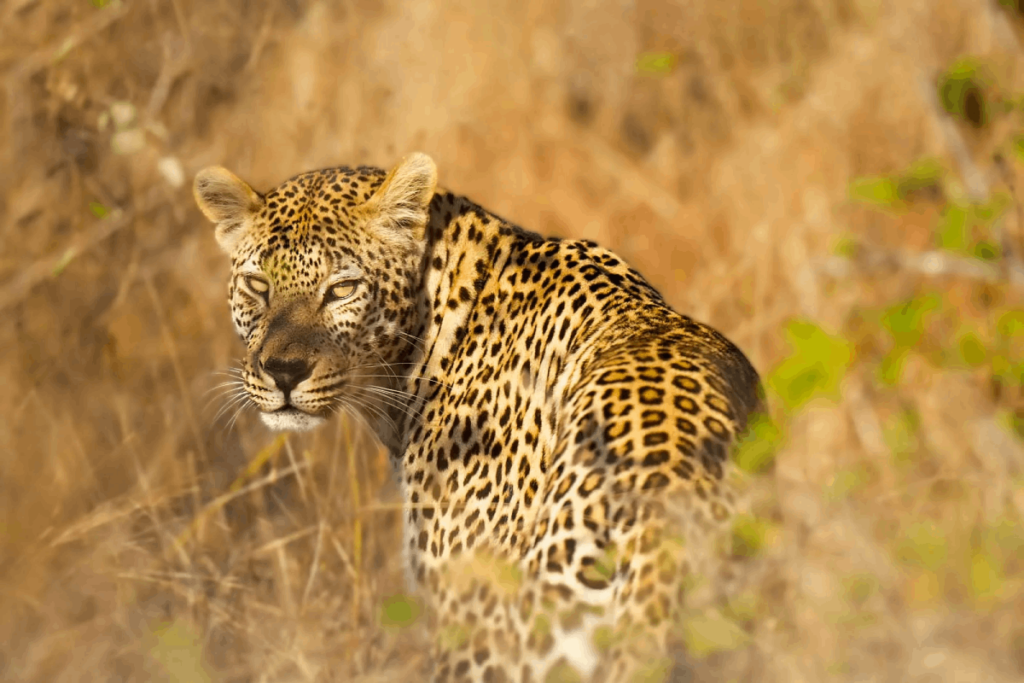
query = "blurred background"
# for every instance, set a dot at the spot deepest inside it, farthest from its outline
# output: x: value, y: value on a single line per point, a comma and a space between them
x: 835, y: 184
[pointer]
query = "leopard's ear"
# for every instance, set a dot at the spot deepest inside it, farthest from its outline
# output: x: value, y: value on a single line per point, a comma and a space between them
x: 228, y: 201
x: 400, y: 206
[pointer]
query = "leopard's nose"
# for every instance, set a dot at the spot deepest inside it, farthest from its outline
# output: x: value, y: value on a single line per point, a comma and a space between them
x: 287, y: 372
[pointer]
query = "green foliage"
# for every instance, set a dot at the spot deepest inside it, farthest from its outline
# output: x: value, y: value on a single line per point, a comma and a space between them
x: 1011, y: 324
x: 901, y: 435
x: 399, y: 610
x: 968, y: 228
x: 994, y: 547
x: 1005, y: 536
x: 892, y: 192
x: 987, y: 579
x: 541, y: 625
x: 604, y: 565
x: 965, y: 228
x: 1013, y: 421
x: 846, y: 482
x: 922, y: 175
x: 657, y: 670
x: 655, y: 63
x: 845, y: 246
x: 453, y: 636
x: 922, y: 545
x: 905, y: 322
x: 890, y: 369
x: 996, y: 347
x: 1017, y: 147
x: 815, y: 367
x: 1007, y: 358
x: 98, y: 210
x: 752, y: 534
x: 1007, y: 371
x: 972, y: 351
x: 746, y: 607
x: 858, y: 588
x: 177, y: 648
x: 563, y: 672
x: 604, y: 638
x: 709, y: 632
x: 952, y: 229
x: 878, y: 191
x: 961, y: 91
x: 756, y: 450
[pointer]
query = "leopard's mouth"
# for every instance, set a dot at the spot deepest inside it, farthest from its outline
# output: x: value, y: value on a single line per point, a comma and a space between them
x: 290, y: 419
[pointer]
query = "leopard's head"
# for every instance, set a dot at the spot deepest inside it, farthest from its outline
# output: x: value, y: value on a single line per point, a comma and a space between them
x: 324, y: 275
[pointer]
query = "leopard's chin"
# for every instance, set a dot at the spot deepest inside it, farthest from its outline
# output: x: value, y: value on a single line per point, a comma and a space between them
x: 289, y: 419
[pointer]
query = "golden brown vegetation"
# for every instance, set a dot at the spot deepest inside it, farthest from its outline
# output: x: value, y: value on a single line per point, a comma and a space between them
x: 850, y: 165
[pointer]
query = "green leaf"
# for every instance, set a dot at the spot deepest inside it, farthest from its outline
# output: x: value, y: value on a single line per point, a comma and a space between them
x: 1017, y: 148
x: 953, y: 229
x: 1011, y: 324
x: 746, y: 607
x: 707, y: 633
x: 961, y: 87
x: 890, y: 369
x: 846, y: 482
x: 756, y: 449
x: 563, y: 672
x: 905, y: 322
x: 604, y: 638
x: 972, y: 350
x: 987, y: 251
x: 655, y: 63
x: 986, y: 577
x: 815, y: 368
x: 900, y: 434
x: 98, y: 210
x: 399, y: 610
x: 1008, y: 372
x: 1006, y: 536
x: 846, y: 247
x: 878, y: 191
x: 752, y: 534
x: 1013, y: 421
x: 923, y: 545
x: 858, y: 588
x: 178, y: 651
x: 924, y: 174
x: 892, y: 192
x: 967, y: 228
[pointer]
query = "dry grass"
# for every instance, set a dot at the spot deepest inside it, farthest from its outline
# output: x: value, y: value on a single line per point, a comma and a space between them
x: 140, y: 538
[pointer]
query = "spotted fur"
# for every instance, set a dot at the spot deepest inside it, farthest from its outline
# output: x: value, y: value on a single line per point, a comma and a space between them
x: 561, y: 436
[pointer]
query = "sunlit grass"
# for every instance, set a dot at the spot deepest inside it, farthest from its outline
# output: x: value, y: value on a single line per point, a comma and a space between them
x: 141, y: 540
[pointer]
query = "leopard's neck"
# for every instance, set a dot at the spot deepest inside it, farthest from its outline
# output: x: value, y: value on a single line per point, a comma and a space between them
x: 465, y: 246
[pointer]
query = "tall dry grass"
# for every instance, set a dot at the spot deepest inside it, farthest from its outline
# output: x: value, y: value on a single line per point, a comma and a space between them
x: 713, y: 144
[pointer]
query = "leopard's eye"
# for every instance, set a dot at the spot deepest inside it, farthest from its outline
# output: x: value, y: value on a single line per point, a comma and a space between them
x: 341, y: 290
x: 257, y: 286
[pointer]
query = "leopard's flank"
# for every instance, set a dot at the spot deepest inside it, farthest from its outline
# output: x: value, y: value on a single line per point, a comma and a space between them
x: 561, y: 435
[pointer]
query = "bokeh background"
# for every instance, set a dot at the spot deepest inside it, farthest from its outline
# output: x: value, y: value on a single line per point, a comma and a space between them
x: 835, y: 184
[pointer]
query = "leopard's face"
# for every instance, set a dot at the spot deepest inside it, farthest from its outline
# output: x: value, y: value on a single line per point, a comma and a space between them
x: 320, y: 326
x: 324, y: 270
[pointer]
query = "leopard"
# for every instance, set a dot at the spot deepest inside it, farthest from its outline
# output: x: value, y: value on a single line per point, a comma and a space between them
x: 563, y: 440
